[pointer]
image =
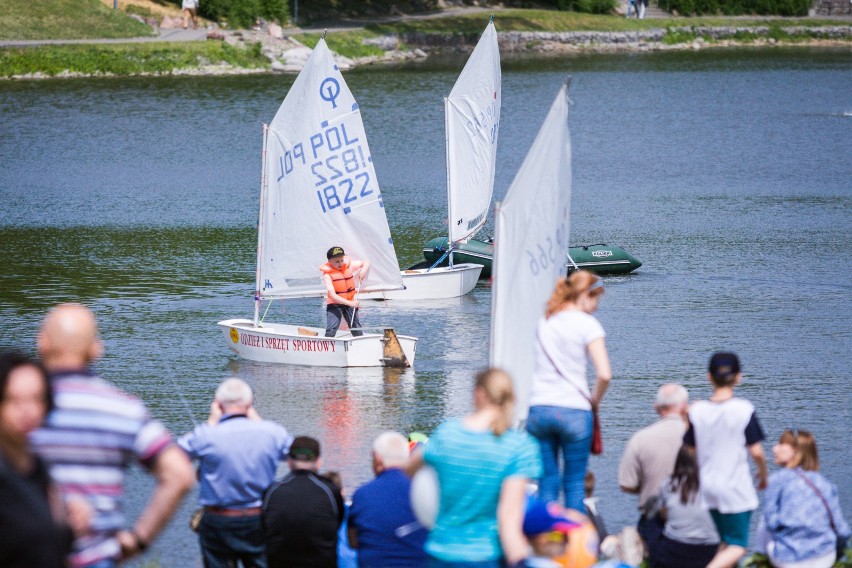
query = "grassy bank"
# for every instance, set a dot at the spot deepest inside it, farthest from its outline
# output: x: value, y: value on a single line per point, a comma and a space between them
x: 65, y: 19
x: 550, y: 21
x: 127, y: 59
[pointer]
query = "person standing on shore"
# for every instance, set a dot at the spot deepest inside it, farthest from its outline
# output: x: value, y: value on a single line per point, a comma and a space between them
x: 238, y: 454
x: 561, y: 405
x: 91, y: 437
x: 483, y: 468
x: 35, y: 523
x: 649, y: 458
x: 382, y: 525
x: 302, y: 512
x: 724, y: 431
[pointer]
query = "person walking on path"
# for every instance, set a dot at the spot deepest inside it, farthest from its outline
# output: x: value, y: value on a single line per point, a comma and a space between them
x: 649, y: 458
x: 561, y: 406
x: 724, y: 431
x: 483, y: 469
x: 91, y: 437
x: 339, y: 275
x: 801, y: 510
x: 238, y: 454
x: 190, y: 11
x: 302, y: 512
x: 382, y: 525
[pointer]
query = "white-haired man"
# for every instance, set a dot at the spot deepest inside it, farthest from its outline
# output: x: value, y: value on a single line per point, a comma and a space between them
x: 238, y: 453
x: 382, y: 525
x: 649, y: 458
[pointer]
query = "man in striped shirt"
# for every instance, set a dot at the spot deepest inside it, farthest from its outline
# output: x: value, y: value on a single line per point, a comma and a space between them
x: 93, y: 435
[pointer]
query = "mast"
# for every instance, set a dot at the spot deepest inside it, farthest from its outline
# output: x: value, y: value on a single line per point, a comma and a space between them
x: 260, y: 224
x: 449, y: 199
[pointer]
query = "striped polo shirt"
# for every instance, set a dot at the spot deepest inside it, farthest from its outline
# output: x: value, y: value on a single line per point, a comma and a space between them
x: 88, y: 441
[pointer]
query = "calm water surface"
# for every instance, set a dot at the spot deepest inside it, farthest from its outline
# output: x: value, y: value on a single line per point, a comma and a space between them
x: 726, y: 173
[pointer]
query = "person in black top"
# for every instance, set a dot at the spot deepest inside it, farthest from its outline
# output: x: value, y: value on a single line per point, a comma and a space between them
x: 302, y: 513
x: 33, y: 531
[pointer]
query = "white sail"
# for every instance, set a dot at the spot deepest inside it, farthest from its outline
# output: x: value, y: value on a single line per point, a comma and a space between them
x: 320, y: 189
x: 530, y: 247
x: 472, y: 123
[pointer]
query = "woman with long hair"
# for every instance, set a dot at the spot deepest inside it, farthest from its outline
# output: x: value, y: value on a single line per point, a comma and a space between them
x: 690, y: 539
x: 561, y: 404
x: 801, y: 511
x: 483, y: 468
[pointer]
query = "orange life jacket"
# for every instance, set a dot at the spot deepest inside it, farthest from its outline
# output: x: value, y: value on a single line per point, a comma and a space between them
x: 342, y: 280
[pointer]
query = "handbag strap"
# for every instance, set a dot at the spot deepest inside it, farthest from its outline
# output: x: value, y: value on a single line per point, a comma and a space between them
x: 819, y: 494
x: 559, y: 368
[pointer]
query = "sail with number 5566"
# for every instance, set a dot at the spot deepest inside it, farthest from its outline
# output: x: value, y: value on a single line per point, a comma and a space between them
x: 530, y: 246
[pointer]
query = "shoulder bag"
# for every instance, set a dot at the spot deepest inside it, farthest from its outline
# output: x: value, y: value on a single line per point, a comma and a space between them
x: 597, y: 438
x: 841, y: 542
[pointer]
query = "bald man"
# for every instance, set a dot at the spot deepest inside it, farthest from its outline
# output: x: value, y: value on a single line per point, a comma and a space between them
x: 92, y: 436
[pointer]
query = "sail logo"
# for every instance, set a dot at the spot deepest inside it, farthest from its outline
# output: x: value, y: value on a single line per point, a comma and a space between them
x: 267, y: 284
x: 602, y: 253
x: 329, y: 90
x: 475, y: 221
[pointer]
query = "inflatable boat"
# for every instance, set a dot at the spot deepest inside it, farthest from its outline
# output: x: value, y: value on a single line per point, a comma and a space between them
x: 602, y: 259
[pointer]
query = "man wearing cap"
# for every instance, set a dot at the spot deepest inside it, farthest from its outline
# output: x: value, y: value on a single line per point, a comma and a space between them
x: 382, y: 525
x: 649, y: 458
x: 339, y: 275
x: 238, y: 454
x: 302, y: 512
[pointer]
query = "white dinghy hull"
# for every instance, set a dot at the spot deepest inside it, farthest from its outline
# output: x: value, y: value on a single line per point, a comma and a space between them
x: 424, y: 284
x: 282, y: 343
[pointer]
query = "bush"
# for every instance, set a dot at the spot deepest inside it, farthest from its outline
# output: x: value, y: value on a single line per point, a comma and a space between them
x: 244, y: 13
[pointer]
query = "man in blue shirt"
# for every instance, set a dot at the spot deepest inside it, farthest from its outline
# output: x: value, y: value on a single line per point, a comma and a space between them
x: 238, y: 453
x: 382, y: 525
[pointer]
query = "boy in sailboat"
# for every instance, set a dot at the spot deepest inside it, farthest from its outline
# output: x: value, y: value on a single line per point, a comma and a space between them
x: 339, y: 275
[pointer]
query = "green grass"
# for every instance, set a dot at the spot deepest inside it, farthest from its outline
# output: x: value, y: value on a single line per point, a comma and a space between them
x: 347, y: 44
x: 65, y: 19
x: 125, y: 59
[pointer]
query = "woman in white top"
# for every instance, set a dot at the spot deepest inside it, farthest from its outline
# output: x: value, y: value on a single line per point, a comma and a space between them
x: 560, y: 416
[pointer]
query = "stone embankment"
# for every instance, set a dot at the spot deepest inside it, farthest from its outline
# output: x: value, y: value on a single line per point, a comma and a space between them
x: 544, y: 42
x: 287, y: 55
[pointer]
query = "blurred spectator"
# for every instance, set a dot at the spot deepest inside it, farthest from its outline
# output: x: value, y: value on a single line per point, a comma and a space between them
x: 483, y: 469
x: 91, y: 437
x: 382, y: 525
x: 649, y: 458
x: 302, y: 512
x: 238, y: 454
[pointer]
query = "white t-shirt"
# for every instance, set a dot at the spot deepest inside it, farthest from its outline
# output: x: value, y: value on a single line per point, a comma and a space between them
x: 566, y: 336
x: 721, y: 433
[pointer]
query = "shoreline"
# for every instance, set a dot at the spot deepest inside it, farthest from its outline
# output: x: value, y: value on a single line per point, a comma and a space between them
x: 419, y: 47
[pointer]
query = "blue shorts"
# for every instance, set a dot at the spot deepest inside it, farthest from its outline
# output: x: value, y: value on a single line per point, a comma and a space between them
x: 732, y: 527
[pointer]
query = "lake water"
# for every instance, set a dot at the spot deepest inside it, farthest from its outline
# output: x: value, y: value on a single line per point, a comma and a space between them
x: 726, y: 172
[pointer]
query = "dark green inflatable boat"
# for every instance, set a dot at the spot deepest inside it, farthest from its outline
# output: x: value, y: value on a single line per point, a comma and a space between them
x: 602, y: 259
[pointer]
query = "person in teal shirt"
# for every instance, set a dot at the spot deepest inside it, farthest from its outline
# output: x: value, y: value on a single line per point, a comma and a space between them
x: 483, y: 468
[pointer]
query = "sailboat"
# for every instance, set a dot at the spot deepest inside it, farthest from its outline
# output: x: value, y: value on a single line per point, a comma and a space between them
x: 530, y: 244
x: 318, y: 189
x: 472, y: 121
